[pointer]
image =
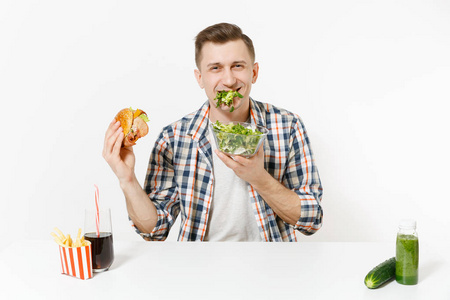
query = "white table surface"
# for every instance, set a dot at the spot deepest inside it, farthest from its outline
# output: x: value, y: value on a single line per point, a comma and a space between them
x: 175, y: 270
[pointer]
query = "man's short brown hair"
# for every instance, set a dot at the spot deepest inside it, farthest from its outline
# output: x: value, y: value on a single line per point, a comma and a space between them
x: 220, y: 34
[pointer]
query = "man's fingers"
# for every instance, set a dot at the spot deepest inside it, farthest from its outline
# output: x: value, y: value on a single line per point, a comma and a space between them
x: 118, y: 143
x: 111, y: 141
x: 239, y: 159
x: 228, y: 161
x: 112, y: 128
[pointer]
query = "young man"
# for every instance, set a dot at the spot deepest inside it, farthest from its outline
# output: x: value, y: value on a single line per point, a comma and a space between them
x: 264, y: 198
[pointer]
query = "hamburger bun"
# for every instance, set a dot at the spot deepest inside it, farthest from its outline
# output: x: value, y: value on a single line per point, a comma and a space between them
x: 134, y: 125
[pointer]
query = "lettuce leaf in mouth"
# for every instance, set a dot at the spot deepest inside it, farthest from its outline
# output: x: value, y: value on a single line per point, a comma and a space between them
x: 242, y: 141
x: 226, y: 97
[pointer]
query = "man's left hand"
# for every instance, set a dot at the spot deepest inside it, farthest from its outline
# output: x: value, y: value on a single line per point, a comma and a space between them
x: 248, y: 169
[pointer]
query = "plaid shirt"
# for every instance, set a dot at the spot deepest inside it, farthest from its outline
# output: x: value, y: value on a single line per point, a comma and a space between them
x: 180, y: 180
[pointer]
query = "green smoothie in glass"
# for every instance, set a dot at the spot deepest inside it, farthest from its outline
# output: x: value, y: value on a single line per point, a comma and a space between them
x: 407, y: 254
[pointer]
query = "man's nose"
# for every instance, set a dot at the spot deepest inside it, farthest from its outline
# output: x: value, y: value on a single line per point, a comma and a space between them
x: 228, y: 78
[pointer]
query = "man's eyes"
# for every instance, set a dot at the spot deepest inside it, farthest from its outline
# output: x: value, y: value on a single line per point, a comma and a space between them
x: 238, y: 66
x: 217, y: 68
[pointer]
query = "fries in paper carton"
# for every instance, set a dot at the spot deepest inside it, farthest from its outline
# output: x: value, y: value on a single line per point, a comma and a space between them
x: 75, y: 256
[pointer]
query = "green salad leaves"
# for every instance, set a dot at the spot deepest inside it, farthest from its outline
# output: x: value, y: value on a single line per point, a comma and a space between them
x: 242, y: 141
x: 226, y: 97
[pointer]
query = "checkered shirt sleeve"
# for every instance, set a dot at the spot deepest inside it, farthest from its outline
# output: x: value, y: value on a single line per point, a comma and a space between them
x: 162, y: 189
x: 301, y: 176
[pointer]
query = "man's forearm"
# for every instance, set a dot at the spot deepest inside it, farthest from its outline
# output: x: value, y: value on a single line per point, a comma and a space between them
x: 284, y: 202
x: 141, y: 210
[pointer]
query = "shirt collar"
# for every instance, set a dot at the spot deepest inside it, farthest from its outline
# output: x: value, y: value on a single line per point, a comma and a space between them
x: 199, y: 123
x: 256, y: 114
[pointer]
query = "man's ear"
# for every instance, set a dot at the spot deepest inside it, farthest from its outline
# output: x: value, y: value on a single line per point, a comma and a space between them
x: 255, y: 72
x: 198, y: 76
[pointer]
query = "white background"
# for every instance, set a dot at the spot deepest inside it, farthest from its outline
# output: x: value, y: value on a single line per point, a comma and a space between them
x: 370, y: 80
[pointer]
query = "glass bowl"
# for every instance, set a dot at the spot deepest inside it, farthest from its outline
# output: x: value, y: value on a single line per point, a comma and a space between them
x: 239, y: 144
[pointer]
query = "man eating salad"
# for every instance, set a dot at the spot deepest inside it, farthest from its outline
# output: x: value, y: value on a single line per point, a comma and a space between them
x: 267, y: 197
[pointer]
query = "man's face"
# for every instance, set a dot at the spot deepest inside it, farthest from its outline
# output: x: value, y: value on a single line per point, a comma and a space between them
x: 225, y: 67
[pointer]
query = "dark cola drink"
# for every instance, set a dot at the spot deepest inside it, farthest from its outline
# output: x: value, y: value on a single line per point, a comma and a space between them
x: 102, y: 250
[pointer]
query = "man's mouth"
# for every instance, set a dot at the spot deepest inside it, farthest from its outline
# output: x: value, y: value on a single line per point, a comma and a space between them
x: 225, y: 90
x: 226, y: 98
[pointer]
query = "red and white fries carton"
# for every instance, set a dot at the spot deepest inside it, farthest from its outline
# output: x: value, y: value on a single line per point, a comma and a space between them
x: 76, y: 261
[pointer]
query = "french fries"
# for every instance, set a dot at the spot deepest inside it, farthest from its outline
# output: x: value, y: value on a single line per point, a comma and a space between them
x: 66, y: 241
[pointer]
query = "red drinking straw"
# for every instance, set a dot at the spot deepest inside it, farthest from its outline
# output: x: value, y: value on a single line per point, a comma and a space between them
x: 97, y: 215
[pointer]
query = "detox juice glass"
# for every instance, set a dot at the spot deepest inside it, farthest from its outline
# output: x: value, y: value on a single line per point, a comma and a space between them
x: 407, y: 254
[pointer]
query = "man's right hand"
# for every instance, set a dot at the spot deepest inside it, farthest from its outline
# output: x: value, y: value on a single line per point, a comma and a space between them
x: 121, y: 160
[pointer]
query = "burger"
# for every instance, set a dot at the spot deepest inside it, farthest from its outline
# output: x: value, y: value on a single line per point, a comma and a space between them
x: 134, y: 125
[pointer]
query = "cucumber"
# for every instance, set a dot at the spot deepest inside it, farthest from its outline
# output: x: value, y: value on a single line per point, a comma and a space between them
x: 381, y: 274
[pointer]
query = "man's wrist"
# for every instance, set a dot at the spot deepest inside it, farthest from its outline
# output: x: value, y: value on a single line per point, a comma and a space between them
x: 264, y: 181
x: 128, y: 183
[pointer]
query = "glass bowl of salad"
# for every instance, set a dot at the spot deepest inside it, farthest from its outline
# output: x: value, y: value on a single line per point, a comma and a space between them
x: 238, y: 138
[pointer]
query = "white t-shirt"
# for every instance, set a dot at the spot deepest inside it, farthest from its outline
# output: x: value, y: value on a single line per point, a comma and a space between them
x: 231, y: 217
